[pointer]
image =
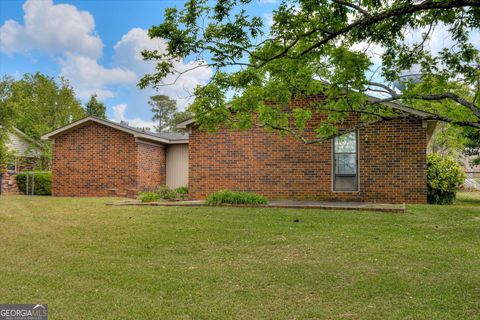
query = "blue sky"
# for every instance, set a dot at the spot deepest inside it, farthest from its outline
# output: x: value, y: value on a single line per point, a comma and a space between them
x: 95, y: 45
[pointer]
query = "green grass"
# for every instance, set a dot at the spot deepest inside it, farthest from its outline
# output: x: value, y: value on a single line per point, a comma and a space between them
x: 90, y: 261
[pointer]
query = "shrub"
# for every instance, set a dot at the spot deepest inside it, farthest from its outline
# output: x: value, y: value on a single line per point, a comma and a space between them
x: 444, y: 176
x: 148, y: 196
x: 182, y: 192
x: 41, y: 181
x: 166, y: 193
x: 234, y: 197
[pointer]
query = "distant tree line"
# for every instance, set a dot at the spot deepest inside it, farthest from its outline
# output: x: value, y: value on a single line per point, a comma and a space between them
x: 37, y: 104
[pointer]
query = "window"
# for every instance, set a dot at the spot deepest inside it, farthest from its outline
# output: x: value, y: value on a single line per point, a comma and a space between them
x: 345, y: 162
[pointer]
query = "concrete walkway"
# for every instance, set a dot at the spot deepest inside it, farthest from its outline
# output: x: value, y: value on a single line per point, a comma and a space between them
x: 339, y: 205
x: 326, y: 205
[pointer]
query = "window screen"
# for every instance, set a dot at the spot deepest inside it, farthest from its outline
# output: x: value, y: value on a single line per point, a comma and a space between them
x: 345, y: 158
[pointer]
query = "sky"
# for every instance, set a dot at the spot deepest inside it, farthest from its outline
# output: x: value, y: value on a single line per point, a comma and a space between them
x: 96, y: 45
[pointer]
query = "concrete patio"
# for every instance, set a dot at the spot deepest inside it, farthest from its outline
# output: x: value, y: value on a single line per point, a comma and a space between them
x: 325, y: 205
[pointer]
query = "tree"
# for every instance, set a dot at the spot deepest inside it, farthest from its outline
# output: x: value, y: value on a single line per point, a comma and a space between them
x: 95, y: 108
x: 7, y: 116
x: 177, y: 118
x: 472, y: 146
x: 37, y: 104
x: 321, y: 47
x: 455, y: 141
x: 448, y: 140
x: 163, y: 109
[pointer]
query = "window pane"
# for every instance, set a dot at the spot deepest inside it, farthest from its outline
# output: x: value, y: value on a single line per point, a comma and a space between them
x: 346, y: 143
x: 345, y: 183
x: 346, y: 163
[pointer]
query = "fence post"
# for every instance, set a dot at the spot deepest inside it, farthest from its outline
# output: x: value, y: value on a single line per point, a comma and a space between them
x: 33, y: 184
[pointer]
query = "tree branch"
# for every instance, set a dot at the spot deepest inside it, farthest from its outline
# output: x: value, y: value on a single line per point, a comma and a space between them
x: 372, y: 19
x: 383, y: 86
x: 442, y: 96
x: 342, y: 132
x: 353, y: 6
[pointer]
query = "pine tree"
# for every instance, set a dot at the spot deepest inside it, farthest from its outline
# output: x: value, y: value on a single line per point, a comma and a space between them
x: 163, y: 109
x: 95, y: 108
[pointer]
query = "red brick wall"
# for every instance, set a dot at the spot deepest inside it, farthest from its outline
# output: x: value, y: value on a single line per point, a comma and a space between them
x: 151, y: 166
x: 392, y: 163
x: 96, y: 160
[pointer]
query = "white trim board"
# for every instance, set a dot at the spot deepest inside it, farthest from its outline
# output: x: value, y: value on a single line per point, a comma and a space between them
x: 137, y: 134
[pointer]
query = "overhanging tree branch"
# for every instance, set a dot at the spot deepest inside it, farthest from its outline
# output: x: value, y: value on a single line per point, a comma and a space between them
x: 315, y: 42
x: 429, y: 97
x: 442, y: 96
x: 353, y: 6
x: 373, y: 19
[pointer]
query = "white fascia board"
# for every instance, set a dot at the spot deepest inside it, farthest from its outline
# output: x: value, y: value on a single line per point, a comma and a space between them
x: 110, y: 124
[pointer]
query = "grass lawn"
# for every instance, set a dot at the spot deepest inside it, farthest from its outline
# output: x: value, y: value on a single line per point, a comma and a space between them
x: 90, y: 261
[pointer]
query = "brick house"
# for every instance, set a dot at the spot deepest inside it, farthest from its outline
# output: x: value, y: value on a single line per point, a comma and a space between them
x: 384, y: 162
x: 96, y: 157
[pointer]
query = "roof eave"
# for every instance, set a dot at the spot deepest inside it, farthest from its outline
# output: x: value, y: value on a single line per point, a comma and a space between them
x: 185, y: 124
x: 393, y: 105
x: 396, y: 106
x: 110, y: 124
x: 185, y: 141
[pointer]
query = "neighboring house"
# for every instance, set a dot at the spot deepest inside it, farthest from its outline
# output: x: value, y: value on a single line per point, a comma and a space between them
x: 383, y: 162
x: 25, y: 151
x: 25, y: 155
x: 471, y: 170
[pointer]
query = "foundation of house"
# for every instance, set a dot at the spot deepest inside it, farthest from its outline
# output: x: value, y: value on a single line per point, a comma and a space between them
x: 324, y: 205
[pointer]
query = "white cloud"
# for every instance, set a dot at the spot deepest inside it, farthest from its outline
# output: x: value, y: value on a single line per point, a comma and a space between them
x: 128, y: 50
x: 267, y: 1
x: 88, y: 77
x: 54, y: 29
x: 268, y: 19
x: 69, y: 35
x: 119, y: 115
x: 128, y: 55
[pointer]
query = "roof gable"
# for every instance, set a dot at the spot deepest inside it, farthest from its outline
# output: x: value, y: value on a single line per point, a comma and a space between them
x: 162, y: 137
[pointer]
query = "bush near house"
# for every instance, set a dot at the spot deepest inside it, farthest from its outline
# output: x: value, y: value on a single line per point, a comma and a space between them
x: 182, y: 192
x: 39, y: 181
x: 148, y: 196
x: 444, y: 176
x: 164, y: 193
x: 234, y: 197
